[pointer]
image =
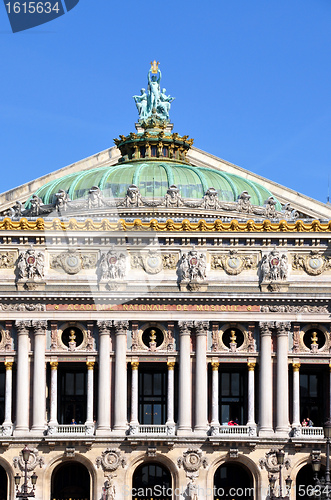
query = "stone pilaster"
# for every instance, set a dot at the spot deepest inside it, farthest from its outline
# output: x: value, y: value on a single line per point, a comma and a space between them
x: 215, y: 396
x: 296, y: 395
x: 171, y: 396
x: 185, y: 387
x: 251, y: 394
x: 265, y: 379
x: 53, y: 411
x: 201, y: 410
x: 104, y: 378
x: 22, y: 383
x: 134, y: 395
x: 90, y: 396
x: 120, y: 410
x: 39, y: 377
x: 7, y: 424
x: 282, y: 421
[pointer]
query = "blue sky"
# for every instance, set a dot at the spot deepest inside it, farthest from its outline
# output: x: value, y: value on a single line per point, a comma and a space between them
x: 251, y: 81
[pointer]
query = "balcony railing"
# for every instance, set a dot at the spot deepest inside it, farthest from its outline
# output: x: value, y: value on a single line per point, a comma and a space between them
x: 233, y: 430
x: 71, y: 430
x: 152, y: 429
x: 308, y: 432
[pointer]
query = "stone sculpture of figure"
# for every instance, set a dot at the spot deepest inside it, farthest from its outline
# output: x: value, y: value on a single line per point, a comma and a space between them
x: 192, y: 490
x: 36, y: 203
x: 95, y: 198
x: 153, y: 90
x: 141, y: 103
x: 283, y: 267
x: 40, y: 264
x: 133, y: 197
x: 103, y: 268
x: 202, y: 266
x: 184, y: 268
x: 173, y: 197
x: 62, y: 199
x: 270, y: 210
x: 21, y: 266
x: 121, y: 266
x: 265, y: 268
x: 164, y: 104
x: 16, y: 210
x: 109, y: 490
x: 244, y: 204
x: 210, y: 200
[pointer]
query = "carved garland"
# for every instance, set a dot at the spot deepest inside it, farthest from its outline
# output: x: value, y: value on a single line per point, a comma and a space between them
x: 121, y: 225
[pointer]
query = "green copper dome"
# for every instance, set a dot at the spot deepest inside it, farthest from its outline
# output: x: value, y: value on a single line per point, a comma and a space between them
x: 153, y: 177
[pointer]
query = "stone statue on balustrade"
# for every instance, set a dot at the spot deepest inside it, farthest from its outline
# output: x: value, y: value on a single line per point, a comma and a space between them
x: 155, y: 103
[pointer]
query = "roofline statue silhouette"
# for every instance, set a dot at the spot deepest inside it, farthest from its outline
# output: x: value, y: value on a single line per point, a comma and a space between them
x: 155, y: 104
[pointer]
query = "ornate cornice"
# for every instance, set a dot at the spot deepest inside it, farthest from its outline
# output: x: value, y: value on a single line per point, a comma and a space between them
x: 137, y: 225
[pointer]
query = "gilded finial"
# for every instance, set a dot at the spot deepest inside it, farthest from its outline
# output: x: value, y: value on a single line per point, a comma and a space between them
x: 155, y: 67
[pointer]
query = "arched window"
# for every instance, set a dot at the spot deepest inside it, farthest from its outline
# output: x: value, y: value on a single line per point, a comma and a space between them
x: 70, y: 480
x: 151, y: 480
x: 234, y: 481
x: 305, y: 482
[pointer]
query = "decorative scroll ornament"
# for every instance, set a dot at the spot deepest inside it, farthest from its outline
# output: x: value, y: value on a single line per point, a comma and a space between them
x: 270, y: 462
x: 34, y: 460
x: 72, y: 262
x: 6, y: 343
x: 169, y: 260
x: 22, y: 307
x: 313, y: 264
x: 112, y: 266
x: 110, y: 460
x: 233, y: 263
x: 30, y: 265
x: 274, y: 266
x: 191, y: 461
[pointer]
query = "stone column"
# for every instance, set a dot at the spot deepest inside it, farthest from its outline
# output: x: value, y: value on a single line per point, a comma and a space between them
x: 185, y: 388
x: 53, y: 413
x: 296, y: 395
x: 201, y: 411
x: 171, y: 397
x: 265, y: 380
x: 282, y: 422
x: 90, y: 394
x: 251, y: 394
x: 7, y: 424
x: 120, y: 410
x: 215, y: 397
x: 104, y: 378
x: 22, y: 383
x: 134, y: 396
x: 39, y: 377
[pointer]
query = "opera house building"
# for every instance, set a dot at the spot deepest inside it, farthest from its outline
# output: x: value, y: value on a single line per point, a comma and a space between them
x: 164, y: 326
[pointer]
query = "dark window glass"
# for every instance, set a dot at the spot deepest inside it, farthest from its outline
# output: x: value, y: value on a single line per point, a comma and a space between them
x: 2, y: 396
x: 233, y: 396
x: 73, y: 396
x: 71, y: 480
x: 152, y: 395
x: 232, y: 478
x: 147, y: 477
x: 313, y: 395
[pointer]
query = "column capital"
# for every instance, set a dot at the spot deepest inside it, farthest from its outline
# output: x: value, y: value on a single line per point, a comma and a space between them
x: 23, y: 326
x: 251, y: 366
x: 201, y: 327
x: 266, y: 327
x: 185, y: 327
x: 171, y: 365
x: 282, y: 328
x: 215, y: 365
x: 104, y: 327
x: 121, y: 327
x: 9, y: 365
x: 39, y: 326
x: 53, y: 365
x: 296, y: 367
x: 134, y: 365
x: 90, y: 365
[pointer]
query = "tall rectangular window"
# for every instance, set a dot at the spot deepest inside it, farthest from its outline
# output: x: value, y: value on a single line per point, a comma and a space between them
x: 72, y: 396
x: 233, y: 396
x: 152, y: 395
